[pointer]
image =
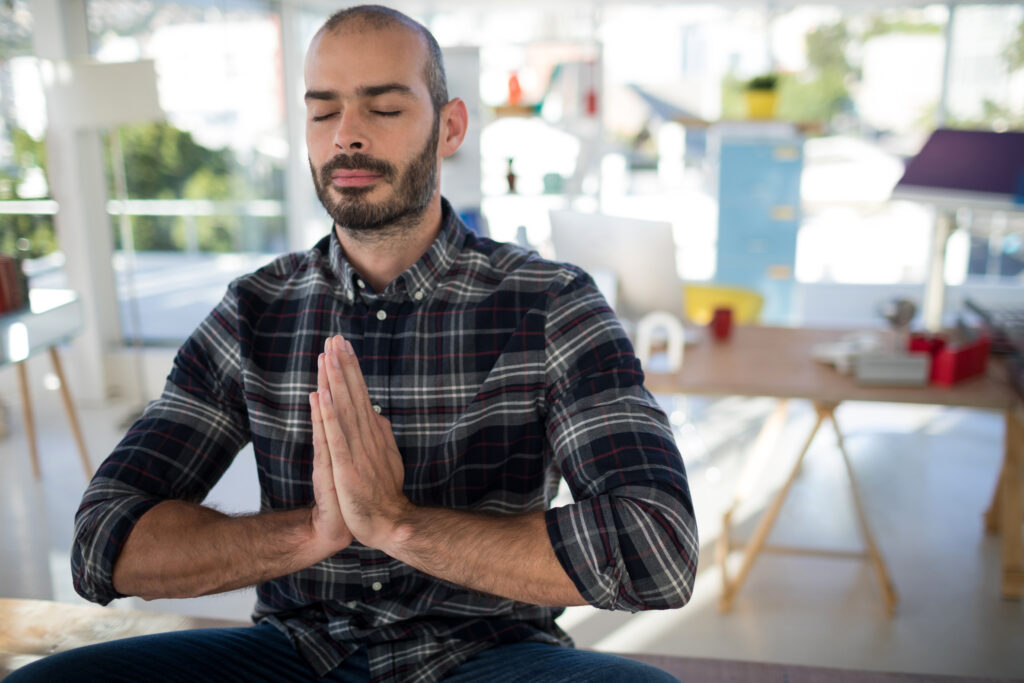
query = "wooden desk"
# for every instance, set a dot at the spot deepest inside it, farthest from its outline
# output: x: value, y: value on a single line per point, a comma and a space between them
x: 32, y: 629
x: 776, y: 361
x: 54, y: 317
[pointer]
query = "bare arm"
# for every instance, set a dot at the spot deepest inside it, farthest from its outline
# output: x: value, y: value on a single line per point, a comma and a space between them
x: 179, y: 549
x: 507, y: 556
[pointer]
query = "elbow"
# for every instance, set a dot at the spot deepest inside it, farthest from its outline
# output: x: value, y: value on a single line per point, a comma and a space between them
x: 101, y: 528
x: 88, y: 575
x: 657, y: 568
x: 644, y: 558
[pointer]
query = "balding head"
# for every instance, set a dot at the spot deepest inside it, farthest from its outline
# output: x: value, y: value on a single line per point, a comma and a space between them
x: 379, y: 18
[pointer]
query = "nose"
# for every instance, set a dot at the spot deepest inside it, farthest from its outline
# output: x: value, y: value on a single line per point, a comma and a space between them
x: 349, y: 135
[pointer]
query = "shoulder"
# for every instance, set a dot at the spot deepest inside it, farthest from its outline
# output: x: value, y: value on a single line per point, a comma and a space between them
x: 488, y: 264
x: 285, y: 276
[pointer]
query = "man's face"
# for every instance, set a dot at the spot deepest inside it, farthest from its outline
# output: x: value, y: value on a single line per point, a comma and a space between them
x: 371, y: 129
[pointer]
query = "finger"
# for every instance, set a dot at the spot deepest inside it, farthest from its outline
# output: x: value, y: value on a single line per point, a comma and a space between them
x: 321, y: 370
x: 351, y: 409
x: 356, y: 383
x: 324, y: 488
x: 323, y: 388
x: 334, y: 433
x: 319, y: 438
x: 321, y: 459
x: 384, y: 431
x: 388, y: 444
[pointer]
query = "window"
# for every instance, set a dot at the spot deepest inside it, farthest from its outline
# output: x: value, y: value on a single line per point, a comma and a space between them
x: 26, y: 209
x: 196, y: 199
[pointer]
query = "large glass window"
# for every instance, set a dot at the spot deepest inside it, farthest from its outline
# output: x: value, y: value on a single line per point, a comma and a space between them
x: 198, y: 198
x: 26, y: 209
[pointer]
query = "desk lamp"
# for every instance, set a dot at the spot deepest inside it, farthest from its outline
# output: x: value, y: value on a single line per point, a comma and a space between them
x: 961, y: 169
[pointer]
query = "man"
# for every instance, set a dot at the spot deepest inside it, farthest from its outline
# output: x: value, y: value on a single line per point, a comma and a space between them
x: 405, y: 532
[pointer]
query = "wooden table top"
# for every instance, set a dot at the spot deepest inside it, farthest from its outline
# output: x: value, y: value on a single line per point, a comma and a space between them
x: 31, y: 629
x: 778, y: 361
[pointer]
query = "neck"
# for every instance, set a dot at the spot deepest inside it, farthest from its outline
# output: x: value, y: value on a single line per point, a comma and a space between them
x: 381, y: 256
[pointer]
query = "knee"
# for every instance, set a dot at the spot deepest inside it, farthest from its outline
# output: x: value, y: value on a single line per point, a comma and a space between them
x: 56, y: 667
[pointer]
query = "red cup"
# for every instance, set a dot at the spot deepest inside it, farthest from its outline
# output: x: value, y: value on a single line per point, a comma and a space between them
x: 721, y: 323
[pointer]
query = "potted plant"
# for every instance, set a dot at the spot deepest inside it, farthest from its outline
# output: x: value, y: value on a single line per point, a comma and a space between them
x: 762, y: 97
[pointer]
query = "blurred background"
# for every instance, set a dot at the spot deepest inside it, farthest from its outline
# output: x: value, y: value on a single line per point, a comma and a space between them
x: 147, y: 186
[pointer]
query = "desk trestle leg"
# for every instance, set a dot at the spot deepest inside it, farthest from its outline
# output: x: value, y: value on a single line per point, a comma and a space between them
x: 756, y: 545
x: 69, y: 409
x: 30, y: 421
x: 1008, y: 508
x: 888, y: 590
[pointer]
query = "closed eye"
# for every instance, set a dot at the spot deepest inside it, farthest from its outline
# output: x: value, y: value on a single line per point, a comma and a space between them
x: 324, y: 117
x: 386, y: 113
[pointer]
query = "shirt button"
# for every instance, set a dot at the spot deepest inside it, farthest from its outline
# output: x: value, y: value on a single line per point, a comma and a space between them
x: 382, y: 315
x: 377, y: 585
x: 360, y: 283
x: 418, y: 295
x: 376, y: 408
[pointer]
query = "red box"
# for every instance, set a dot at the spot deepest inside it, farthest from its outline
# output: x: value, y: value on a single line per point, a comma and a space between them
x: 952, y: 363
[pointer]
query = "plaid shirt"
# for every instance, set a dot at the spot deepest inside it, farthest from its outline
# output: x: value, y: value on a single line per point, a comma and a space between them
x: 500, y: 372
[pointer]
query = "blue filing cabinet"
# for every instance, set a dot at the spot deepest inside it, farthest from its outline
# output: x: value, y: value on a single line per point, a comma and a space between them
x: 756, y: 171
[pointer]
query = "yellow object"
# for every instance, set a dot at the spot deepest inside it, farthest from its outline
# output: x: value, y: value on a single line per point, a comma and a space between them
x: 701, y: 300
x: 761, y: 104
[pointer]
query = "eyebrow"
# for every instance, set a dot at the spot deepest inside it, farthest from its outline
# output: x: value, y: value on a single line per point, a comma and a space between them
x: 362, y: 91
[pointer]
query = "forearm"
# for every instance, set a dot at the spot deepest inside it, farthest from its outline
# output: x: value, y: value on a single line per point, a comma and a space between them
x: 179, y: 549
x: 506, y: 556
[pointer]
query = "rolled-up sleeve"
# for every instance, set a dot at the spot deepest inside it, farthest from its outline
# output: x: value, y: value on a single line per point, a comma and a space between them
x: 629, y: 542
x: 178, y: 449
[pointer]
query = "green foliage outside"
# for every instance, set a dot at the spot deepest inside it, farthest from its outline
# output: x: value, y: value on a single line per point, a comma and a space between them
x: 993, y: 114
x: 823, y: 91
x: 881, y: 26
x: 27, y: 236
x: 814, y: 96
x: 161, y: 162
x: 1015, y: 50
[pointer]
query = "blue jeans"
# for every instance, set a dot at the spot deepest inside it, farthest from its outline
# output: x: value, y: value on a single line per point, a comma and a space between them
x: 262, y: 653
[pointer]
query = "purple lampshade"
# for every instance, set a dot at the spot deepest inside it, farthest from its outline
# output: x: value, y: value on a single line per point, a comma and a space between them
x: 961, y: 165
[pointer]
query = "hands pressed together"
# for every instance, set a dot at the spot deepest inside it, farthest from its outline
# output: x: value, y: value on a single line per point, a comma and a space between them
x: 357, y: 469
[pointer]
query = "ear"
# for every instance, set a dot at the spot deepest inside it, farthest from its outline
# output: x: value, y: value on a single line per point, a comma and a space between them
x: 454, y: 120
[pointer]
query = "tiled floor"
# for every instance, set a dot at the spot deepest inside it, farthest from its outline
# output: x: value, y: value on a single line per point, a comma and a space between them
x: 926, y: 475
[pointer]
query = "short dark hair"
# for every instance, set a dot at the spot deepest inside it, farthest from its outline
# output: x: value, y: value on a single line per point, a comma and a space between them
x: 379, y: 17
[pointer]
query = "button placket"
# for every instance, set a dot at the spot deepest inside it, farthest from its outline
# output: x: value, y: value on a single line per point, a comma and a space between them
x: 380, y: 321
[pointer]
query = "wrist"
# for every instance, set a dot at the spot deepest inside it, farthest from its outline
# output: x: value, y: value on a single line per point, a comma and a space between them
x: 400, y: 530
x: 313, y: 545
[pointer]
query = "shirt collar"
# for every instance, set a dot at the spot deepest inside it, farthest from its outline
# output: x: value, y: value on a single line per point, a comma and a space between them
x: 419, y: 279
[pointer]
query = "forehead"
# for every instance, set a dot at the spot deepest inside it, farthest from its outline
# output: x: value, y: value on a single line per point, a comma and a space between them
x: 355, y: 56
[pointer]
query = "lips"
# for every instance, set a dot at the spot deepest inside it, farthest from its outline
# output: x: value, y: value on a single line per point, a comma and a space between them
x: 354, y: 178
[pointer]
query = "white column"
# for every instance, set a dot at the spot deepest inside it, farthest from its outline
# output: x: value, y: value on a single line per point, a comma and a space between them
x: 935, y: 284
x: 78, y: 182
x: 307, y: 222
x: 942, y: 110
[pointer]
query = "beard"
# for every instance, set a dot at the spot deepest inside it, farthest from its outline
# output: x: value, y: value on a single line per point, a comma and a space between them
x: 414, y: 187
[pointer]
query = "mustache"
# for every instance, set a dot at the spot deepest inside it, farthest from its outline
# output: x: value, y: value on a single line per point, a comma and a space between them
x: 357, y: 161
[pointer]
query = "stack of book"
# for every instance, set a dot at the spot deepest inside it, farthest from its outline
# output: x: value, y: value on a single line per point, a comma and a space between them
x: 13, y: 285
